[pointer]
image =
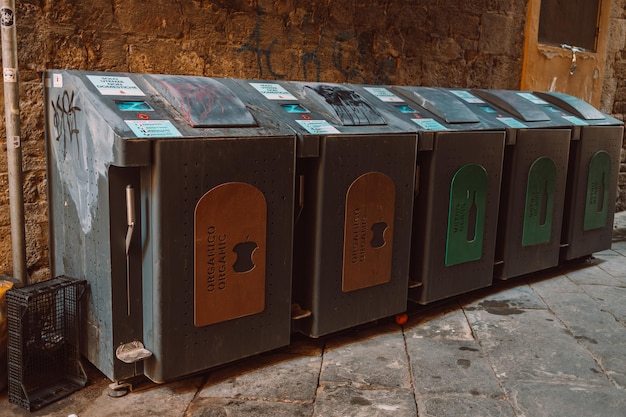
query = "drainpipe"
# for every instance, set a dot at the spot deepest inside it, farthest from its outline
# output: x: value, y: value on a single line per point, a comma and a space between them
x: 14, y: 148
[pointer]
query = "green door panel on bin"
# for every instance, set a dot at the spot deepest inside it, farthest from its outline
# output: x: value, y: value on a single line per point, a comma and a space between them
x: 466, y: 215
x: 539, y: 208
x: 597, y: 201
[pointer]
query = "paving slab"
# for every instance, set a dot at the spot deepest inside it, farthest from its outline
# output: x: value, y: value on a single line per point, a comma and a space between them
x: 538, y: 399
x: 612, y: 299
x: 369, y: 359
x: 462, y: 405
x: 447, y: 322
x: 445, y: 357
x: 618, y: 245
x: 161, y: 400
x: 614, y: 266
x: 594, y: 329
x: 533, y: 345
x: 442, y: 366
x: 228, y: 407
x: 280, y: 376
x: 560, y: 283
x: 514, y: 295
x: 348, y: 400
x: 592, y: 275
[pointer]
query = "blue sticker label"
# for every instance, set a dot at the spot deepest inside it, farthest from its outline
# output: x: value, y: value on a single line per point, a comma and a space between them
x: 317, y: 127
x: 153, y: 128
x: 383, y: 94
x: 429, y: 124
x: 467, y: 96
x: 295, y: 108
x: 403, y: 108
x: 511, y: 122
x: 273, y: 91
x: 576, y: 121
x: 532, y: 98
x: 133, y: 106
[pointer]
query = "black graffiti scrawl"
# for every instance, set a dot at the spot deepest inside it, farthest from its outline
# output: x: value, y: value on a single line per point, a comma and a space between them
x: 65, y: 119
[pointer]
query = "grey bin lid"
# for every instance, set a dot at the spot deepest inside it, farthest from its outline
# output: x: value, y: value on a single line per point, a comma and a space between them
x: 574, y: 105
x: 203, y: 102
x: 511, y: 102
x: 346, y: 106
x: 443, y: 105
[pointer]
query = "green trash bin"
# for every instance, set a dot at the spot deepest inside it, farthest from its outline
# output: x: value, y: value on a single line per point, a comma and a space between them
x: 459, y: 164
x: 592, y: 181
x: 533, y: 187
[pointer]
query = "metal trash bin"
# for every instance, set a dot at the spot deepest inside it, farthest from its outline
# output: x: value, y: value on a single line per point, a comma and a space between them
x: 533, y: 187
x: 459, y: 165
x: 592, y: 180
x: 173, y: 199
x: 355, y: 179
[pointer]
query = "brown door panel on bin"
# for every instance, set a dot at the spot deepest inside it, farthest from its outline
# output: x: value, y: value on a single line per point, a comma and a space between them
x: 368, y: 232
x: 230, y: 235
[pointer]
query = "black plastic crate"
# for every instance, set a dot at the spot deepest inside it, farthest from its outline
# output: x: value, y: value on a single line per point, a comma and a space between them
x: 44, y: 356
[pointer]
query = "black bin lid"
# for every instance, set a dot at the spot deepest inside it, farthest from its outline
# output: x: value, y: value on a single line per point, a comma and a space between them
x: 345, y: 105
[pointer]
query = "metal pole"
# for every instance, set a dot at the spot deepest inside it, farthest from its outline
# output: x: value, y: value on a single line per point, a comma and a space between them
x: 14, y: 148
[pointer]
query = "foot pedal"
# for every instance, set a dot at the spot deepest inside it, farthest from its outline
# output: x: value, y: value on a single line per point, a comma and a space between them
x: 132, y: 352
x: 298, y: 313
x: 414, y: 284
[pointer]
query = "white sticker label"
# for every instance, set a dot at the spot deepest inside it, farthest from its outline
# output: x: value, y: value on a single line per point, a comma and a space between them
x: 10, y: 75
x: 153, y: 128
x: 16, y: 142
x: 576, y: 121
x: 383, y: 94
x: 511, y: 122
x: 109, y: 85
x: 273, y: 91
x: 317, y: 127
x: 429, y: 124
x: 57, y: 80
x: 467, y: 96
x: 532, y: 98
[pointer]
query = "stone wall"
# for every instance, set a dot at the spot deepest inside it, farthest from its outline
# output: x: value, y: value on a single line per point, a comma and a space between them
x: 614, y: 92
x: 462, y: 43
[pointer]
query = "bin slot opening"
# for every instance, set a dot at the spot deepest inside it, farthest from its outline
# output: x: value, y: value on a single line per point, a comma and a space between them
x: 133, y: 105
x: 444, y: 105
x: 203, y: 102
x: 512, y: 103
x: 345, y: 106
x: 574, y: 105
x: 295, y: 108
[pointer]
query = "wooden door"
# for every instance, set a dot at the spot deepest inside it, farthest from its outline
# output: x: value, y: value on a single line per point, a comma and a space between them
x: 565, y: 48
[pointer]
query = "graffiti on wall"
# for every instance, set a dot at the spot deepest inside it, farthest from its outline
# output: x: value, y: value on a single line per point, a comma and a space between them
x: 347, y: 54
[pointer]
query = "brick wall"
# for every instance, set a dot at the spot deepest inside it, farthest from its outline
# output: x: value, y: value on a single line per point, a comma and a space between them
x: 475, y: 43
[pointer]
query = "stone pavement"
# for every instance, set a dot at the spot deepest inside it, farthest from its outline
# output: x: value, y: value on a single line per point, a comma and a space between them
x: 551, y: 344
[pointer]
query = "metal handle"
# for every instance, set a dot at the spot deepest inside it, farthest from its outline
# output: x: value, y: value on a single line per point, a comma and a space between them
x: 574, y: 49
x: 130, y: 221
x: 130, y: 215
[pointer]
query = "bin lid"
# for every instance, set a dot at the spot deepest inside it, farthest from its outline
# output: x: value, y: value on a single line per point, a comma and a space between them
x: 572, y: 104
x: 443, y: 105
x: 343, y: 104
x: 202, y: 101
x: 514, y: 103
